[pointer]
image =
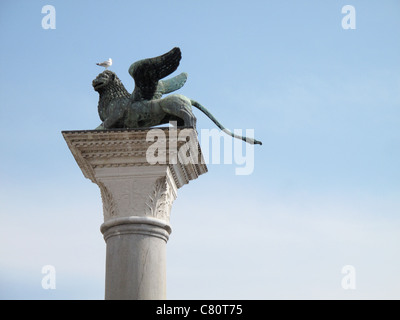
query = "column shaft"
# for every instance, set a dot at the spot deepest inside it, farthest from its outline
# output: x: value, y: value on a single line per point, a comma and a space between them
x: 135, y: 258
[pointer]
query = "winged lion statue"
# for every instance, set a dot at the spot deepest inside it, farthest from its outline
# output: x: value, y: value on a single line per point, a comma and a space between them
x: 145, y: 107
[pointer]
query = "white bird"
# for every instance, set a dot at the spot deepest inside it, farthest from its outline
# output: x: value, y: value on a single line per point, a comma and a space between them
x: 105, y: 64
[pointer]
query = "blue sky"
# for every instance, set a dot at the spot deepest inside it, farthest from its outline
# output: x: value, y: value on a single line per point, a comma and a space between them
x: 325, y: 101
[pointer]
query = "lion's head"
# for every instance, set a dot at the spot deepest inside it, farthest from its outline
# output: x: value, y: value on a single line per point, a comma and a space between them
x: 106, y: 79
x: 110, y: 89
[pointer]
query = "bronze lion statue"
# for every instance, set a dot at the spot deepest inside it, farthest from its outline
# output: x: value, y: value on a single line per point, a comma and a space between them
x: 145, y: 107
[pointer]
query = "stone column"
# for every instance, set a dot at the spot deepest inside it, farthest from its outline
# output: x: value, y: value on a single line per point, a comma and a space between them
x: 138, y: 173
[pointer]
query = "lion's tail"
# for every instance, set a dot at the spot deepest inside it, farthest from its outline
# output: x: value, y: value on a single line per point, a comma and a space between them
x: 208, y: 114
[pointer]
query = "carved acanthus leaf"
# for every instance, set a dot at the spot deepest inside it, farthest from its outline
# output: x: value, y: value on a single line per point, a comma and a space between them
x: 109, y: 208
x: 160, y: 200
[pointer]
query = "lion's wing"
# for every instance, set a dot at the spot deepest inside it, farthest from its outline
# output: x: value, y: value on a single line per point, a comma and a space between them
x: 147, y: 72
x: 170, y: 85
